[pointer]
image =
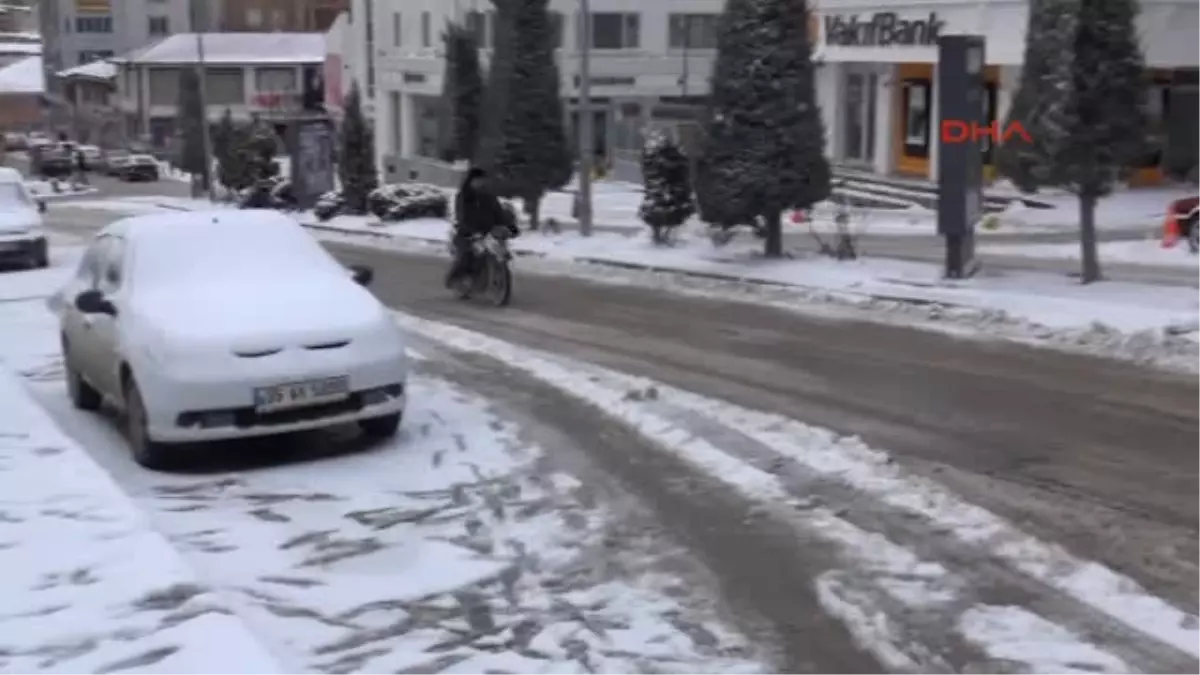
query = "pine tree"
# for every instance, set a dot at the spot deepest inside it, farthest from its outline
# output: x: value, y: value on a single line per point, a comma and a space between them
x: 1045, y: 27
x: 257, y: 150
x: 462, y: 92
x: 764, y: 145
x: 191, y: 126
x: 1087, y: 122
x: 525, y: 148
x: 356, y: 167
x: 667, y: 199
x: 225, y: 139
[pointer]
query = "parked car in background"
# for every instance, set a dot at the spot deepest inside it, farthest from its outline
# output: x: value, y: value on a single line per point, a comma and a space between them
x: 200, y: 327
x: 114, y: 161
x: 140, y: 168
x: 22, y: 239
x: 51, y: 160
x: 92, y: 157
x: 16, y: 141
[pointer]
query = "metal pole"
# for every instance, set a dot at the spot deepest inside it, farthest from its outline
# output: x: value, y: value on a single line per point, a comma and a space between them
x: 587, y: 148
x: 201, y: 76
x: 687, y: 43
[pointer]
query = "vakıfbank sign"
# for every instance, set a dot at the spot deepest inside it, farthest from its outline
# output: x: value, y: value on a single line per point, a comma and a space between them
x: 883, y: 29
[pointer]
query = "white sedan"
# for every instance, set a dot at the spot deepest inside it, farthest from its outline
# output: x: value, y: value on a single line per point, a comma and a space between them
x: 206, y: 326
x: 22, y: 238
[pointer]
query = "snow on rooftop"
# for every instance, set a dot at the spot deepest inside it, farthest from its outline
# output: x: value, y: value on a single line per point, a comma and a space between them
x: 100, y: 70
x: 236, y: 48
x: 23, y: 77
x: 10, y: 47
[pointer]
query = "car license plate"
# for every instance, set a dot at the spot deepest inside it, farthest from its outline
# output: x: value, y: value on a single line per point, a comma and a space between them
x: 300, y: 394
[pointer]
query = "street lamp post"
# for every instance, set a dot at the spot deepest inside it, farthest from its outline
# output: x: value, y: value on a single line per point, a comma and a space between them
x: 202, y: 79
x: 587, y: 149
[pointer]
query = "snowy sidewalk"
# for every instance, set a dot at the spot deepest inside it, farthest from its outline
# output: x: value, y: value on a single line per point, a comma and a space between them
x: 88, y: 586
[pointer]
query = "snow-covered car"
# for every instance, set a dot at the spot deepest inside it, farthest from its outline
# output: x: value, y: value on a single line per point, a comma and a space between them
x: 14, y: 140
x: 406, y: 201
x: 22, y: 239
x: 92, y: 156
x: 115, y: 161
x: 223, y: 324
x: 140, y: 168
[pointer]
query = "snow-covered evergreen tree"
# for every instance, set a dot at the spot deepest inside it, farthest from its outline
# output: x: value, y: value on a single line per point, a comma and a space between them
x: 764, y: 145
x: 462, y: 92
x: 356, y: 165
x: 191, y: 127
x: 525, y: 148
x: 1086, y: 120
x: 227, y: 141
x: 667, y: 196
x: 1048, y: 21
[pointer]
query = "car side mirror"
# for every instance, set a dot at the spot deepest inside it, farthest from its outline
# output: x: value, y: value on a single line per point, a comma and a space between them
x: 94, y: 302
x: 41, y: 206
x: 362, y: 275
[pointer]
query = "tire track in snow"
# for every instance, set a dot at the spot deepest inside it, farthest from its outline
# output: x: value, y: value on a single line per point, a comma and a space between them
x: 992, y: 561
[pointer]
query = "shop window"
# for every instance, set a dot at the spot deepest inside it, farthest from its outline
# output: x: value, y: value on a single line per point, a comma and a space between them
x: 917, y: 100
x: 858, y: 135
x: 1155, y: 109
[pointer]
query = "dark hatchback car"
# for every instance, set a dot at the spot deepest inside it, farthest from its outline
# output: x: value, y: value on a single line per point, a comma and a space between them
x: 140, y: 168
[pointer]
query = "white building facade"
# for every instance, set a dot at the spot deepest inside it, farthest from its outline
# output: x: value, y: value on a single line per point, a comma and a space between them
x: 650, y: 63
x: 649, y: 60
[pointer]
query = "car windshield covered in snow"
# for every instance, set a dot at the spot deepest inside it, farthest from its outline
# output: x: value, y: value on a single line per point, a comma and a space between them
x: 264, y: 249
x: 14, y: 195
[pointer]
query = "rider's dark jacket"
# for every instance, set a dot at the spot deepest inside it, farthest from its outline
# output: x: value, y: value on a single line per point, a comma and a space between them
x: 476, y: 211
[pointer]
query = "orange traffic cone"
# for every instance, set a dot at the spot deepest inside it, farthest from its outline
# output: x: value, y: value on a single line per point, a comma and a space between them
x: 1170, y: 229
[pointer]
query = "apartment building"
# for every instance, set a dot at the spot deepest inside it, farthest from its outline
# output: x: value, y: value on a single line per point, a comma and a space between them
x: 649, y: 62
x: 75, y: 32
x: 264, y: 75
x: 298, y: 16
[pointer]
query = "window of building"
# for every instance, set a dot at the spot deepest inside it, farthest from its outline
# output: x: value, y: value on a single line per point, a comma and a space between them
x: 615, y: 30
x: 225, y: 86
x: 254, y: 17
x: 159, y: 25
x: 369, y: 20
x: 164, y: 86
x: 557, y: 21
x: 275, y: 80
x: 692, y: 31
x: 477, y: 23
x: 426, y: 30
x: 93, y: 24
x: 397, y: 30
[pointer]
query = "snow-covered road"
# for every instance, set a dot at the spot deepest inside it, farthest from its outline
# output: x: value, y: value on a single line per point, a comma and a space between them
x: 541, y: 513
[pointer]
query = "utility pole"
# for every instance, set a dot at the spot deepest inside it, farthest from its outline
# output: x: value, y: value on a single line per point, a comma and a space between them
x: 202, y: 78
x: 587, y: 138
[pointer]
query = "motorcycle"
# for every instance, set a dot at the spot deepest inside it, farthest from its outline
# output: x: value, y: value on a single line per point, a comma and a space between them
x: 491, y: 272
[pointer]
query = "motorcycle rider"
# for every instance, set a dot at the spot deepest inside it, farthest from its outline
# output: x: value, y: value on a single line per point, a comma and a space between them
x: 476, y: 211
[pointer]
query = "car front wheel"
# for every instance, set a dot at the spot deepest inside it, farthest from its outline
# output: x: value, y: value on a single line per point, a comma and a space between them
x: 146, y: 451
x: 381, y: 427
x: 83, y: 395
